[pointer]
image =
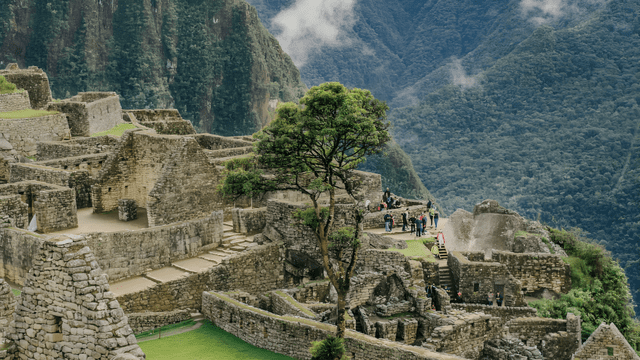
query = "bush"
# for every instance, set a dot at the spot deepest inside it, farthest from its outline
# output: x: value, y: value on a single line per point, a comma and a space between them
x: 6, y: 87
x: 331, y: 348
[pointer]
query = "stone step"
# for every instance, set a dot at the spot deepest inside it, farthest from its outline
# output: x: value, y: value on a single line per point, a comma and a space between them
x: 238, y: 248
x: 197, y: 316
x: 165, y: 274
x: 227, y: 251
x: 219, y: 252
x: 194, y: 265
x: 238, y: 241
x: 229, y: 239
x: 132, y: 285
x: 213, y: 258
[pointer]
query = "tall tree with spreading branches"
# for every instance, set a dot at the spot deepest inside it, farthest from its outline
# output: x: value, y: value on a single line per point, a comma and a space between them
x: 314, y: 148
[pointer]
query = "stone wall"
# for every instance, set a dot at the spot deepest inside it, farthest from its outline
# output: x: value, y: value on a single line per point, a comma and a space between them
x: 15, y: 101
x: 90, y: 112
x: 132, y: 253
x: 216, y: 142
x: 223, y: 154
x: 249, y: 221
x: 92, y: 163
x: 556, y: 339
x: 537, y: 271
x: 55, y: 209
x: 605, y: 343
x: 25, y: 133
x: 504, y: 312
x: 34, y: 80
x: 78, y: 180
x: 283, y: 304
x: 54, y: 206
x: 292, y: 336
x: 182, y: 127
x: 146, y: 321
x: 7, y: 307
x: 17, y: 250
x: 255, y: 271
x: 48, y: 150
x: 66, y: 308
x: 187, y: 187
x: 132, y: 169
x: 14, y: 211
x: 477, y: 279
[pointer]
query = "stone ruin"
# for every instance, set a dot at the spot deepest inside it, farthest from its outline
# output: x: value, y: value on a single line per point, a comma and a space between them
x: 606, y: 343
x: 7, y: 307
x: 245, y: 264
x: 66, y: 310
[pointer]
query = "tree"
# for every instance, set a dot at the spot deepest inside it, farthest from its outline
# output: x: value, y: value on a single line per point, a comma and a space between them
x: 314, y: 148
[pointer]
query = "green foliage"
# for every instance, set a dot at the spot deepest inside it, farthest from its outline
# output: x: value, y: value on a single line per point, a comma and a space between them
x: 600, y: 292
x: 331, y: 348
x: 416, y: 248
x: 209, y: 342
x: 117, y: 130
x: 47, y: 22
x: 6, y: 87
x: 307, y: 217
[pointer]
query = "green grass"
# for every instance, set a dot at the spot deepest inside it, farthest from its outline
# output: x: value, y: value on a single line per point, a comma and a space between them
x: 118, y: 130
x: 16, y: 292
x: 296, y: 304
x: 24, y: 114
x: 209, y: 342
x: 414, y: 248
x: 180, y: 325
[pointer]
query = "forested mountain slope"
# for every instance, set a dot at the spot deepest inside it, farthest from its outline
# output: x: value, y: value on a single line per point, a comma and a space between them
x: 551, y: 130
x: 403, y: 49
x: 213, y: 60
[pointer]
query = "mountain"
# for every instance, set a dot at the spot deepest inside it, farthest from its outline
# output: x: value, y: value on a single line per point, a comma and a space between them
x: 213, y: 60
x: 550, y: 130
x: 532, y: 103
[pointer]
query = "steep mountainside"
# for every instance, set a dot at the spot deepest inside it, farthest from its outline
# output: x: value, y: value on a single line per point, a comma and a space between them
x: 213, y: 60
x: 551, y: 130
x: 401, y: 49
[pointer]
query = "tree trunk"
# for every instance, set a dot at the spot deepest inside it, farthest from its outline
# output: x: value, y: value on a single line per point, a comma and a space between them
x: 340, y: 324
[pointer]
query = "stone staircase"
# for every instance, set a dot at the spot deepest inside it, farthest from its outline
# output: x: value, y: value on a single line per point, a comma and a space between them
x: 444, y: 274
x: 232, y: 244
x: 442, y: 252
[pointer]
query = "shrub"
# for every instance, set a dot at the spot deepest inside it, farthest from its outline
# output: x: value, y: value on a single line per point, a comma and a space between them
x: 331, y: 348
x: 6, y: 87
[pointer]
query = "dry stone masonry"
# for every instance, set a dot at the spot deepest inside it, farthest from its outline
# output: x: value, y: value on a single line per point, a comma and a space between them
x: 66, y: 309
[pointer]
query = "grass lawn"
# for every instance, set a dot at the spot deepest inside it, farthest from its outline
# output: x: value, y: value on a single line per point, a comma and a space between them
x: 209, y: 342
x: 415, y: 248
x: 118, y: 130
x: 23, y: 114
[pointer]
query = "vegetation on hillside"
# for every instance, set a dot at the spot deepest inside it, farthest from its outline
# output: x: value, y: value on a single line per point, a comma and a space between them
x: 550, y: 131
x: 117, y: 130
x: 25, y: 114
x: 212, y: 60
x: 599, y: 289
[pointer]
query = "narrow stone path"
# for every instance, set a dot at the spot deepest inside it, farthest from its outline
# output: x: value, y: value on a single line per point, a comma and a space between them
x: 232, y: 243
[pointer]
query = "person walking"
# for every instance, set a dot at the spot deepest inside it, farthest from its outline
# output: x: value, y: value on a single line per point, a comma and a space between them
x: 418, y: 227
x: 387, y: 223
x: 432, y: 212
x: 440, y: 238
x: 436, y: 215
x: 412, y: 221
x: 435, y: 251
x: 429, y: 204
x: 393, y: 222
x: 405, y: 215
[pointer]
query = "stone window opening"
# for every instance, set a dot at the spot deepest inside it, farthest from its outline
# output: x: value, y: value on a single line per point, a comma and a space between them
x: 109, y: 190
x: 476, y: 287
x: 610, y: 351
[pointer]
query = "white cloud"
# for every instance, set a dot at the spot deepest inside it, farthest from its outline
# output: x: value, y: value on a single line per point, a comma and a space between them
x: 310, y: 25
x: 546, y: 11
x: 459, y: 75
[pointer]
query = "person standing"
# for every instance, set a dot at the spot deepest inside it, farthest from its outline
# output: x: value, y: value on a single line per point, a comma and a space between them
x: 404, y: 220
x: 440, y: 239
x: 490, y: 299
x: 418, y: 227
x: 412, y: 221
x: 429, y: 204
x: 424, y: 223
x: 499, y: 299
x: 393, y: 222
x: 386, y: 196
x: 436, y: 215
x: 432, y: 212
x: 387, y: 223
x: 435, y: 251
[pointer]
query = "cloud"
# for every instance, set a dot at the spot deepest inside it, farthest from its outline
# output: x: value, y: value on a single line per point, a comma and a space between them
x: 459, y: 75
x: 310, y: 25
x: 546, y: 11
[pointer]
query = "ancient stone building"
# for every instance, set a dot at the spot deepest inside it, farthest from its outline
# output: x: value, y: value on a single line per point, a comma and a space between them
x: 66, y: 310
x: 606, y: 343
x: 90, y: 112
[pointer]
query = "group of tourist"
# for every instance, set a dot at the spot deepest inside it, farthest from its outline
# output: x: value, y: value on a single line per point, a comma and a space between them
x: 497, y: 298
x: 417, y: 225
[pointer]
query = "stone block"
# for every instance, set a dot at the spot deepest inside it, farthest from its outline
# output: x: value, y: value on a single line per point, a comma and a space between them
x: 127, y: 209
